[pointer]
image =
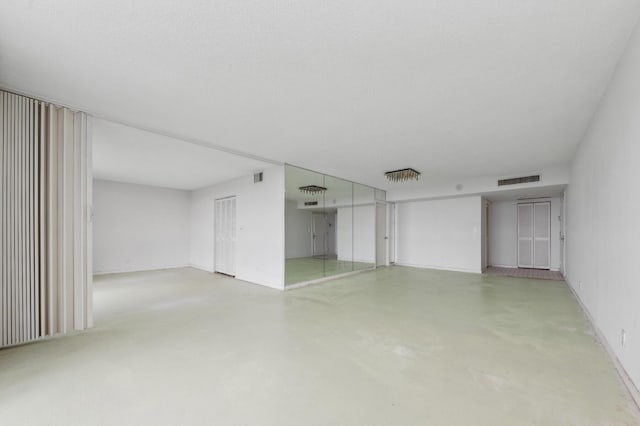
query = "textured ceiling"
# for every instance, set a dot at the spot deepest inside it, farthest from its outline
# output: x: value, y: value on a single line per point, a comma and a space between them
x: 352, y: 88
x: 124, y: 154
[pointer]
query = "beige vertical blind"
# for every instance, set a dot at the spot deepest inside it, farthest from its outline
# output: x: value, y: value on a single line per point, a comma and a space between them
x: 45, y: 233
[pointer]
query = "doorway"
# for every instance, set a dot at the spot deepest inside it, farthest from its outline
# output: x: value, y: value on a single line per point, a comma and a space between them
x: 534, y: 235
x: 381, y: 234
x: 225, y: 236
x: 323, y: 234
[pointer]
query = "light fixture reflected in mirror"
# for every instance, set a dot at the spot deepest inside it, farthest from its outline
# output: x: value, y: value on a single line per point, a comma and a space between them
x: 312, y: 189
x: 402, y: 175
x: 330, y: 226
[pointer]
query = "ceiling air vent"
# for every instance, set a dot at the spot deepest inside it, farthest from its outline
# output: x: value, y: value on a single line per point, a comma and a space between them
x: 310, y: 203
x: 518, y: 180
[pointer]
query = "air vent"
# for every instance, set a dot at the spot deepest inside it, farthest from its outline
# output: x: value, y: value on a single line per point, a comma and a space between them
x: 257, y: 177
x: 310, y: 203
x: 518, y: 180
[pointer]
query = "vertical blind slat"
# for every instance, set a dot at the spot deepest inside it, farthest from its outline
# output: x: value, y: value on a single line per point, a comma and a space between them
x: 30, y: 222
x: 42, y: 228
x: 10, y: 228
x: 18, y: 216
x: 34, y: 215
x: 3, y: 168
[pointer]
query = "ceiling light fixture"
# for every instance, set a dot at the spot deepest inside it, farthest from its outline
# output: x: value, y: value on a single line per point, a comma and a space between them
x: 402, y: 175
x: 312, y: 189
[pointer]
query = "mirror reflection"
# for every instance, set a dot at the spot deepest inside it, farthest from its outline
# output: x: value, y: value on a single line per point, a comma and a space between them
x: 329, y: 226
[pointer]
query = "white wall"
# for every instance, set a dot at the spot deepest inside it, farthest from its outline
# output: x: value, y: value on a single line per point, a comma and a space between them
x: 440, y: 234
x: 298, y: 234
x: 484, y: 237
x: 503, y: 230
x: 503, y: 234
x: 356, y: 233
x: 137, y: 227
x: 603, y: 214
x: 260, y: 227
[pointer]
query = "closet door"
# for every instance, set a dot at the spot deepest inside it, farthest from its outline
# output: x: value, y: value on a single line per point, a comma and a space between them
x: 542, y: 235
x: 525, y: 235
x: 225, y: 236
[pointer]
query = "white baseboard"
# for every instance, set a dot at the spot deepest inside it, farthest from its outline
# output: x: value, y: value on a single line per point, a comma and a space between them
x: 503, y: 266
x: 622, y: 373
x: 201, y: 267
x: 516, y: 267
x: 124, y: 271
x: 324, y: 279
x: 190, y: 265
x: 273, y: 286
x: 440, y: 268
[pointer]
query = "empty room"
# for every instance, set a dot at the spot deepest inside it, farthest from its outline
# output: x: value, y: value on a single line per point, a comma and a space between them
x: 319, y: 213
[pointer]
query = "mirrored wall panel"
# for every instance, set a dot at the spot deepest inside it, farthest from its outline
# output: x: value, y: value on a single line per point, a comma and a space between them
x: 364, y: 227
x: 329, y: 226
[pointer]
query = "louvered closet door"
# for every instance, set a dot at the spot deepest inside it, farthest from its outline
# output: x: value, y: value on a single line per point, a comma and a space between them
x: 225, y: 236
x: 525, y: 235
x: 542, y: 237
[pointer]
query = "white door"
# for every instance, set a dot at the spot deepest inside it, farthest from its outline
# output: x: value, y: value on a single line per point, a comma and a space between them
x: 534, y: 235
x: 319, y: 234
x: 525, y: 235
x: 225, y: 236
x: 381, y: 234
x: 542, y: 235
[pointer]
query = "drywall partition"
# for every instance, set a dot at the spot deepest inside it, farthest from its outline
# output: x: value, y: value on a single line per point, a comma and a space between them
x: 440, y: 234
x: 139, y: 227
x: 298, y: 232
x: 503, y: 233
x: 603, y: 229
x: 260, y: 227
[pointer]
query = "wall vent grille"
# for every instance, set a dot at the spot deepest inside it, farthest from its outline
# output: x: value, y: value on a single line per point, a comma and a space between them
x: 519, y: 180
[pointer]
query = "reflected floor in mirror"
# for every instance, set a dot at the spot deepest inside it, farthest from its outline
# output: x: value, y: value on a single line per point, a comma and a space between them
x: 304, y: 269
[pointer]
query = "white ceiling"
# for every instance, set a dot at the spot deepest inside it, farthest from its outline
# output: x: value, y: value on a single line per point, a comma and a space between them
x: 125, y: 154
x: 453, y: 88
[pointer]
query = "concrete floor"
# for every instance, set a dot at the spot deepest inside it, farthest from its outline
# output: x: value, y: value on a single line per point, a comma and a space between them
x: 398, y: 346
